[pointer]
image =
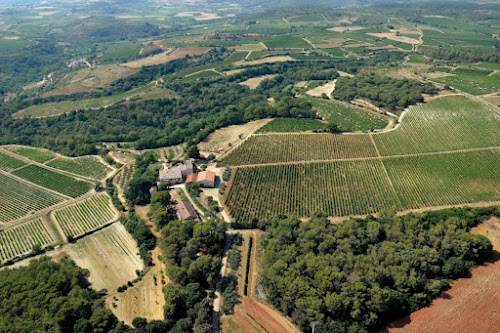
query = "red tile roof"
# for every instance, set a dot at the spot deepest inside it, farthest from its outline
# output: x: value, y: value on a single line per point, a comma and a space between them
x: 191, y: 178
x: 206, y: 175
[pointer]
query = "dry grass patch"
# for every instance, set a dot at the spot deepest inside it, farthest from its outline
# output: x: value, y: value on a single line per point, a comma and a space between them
x: 393, y: 36
x: 222, y: 139
x: 347, y: 28
x: 168, y: 56
x: 111, y: 256
x: 254, y: 82
x: 327, y: 89
x: 268, y: 60
x: 89, y: 79
x: 248, y: 47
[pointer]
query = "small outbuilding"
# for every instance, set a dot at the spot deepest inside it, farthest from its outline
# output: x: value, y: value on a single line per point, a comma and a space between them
x: 191, y: 178
x: 153, y: 190
x: 186, y: 212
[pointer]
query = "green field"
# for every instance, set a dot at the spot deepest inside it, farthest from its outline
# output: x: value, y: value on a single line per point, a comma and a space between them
x: 278, y: 148
x: 9, y: 163
x: 18, y: 199
x: 446, y: 179
x: 292, y: 125
x: 8, y: 45
x: 348, y: 117
x: 35, y: 154
x: 54, y: 181
x: 475, y: 82
x: 286, y: 42
x: 446, y: 123
x: 85, y: 216
x: 20, y: 240
x: 339, y: 188
x: 88, y: 166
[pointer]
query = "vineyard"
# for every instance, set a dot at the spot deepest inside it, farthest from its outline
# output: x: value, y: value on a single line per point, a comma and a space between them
x: 88, y: 166
x: 446, y: 123
x: 123, y: 177
x: 53, y: 180
x: 82, y: 217
x: 35, y: 154
x: 18, y: 199
x: 446, y: 179
x: 339, y: 188
x: 276, y: 148
x: 9, y: 163
x: 20, y: 240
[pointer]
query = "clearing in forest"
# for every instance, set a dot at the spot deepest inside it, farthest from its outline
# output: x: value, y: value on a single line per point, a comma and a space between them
x: 168, y: 56
x: 254, y: 82
x: 110, y: 255
x: 224, y: 138
x: 469, y: 303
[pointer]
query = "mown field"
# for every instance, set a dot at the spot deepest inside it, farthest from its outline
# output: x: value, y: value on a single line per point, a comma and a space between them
x: 447, y: 123
x: 53, y: 180
x: 88, y: 166
x: 18, y: 199
x: 348, y: 117
x: 82, y: 217
x: 21, y: 240
x: 110, y: 255
x: 277, y: 148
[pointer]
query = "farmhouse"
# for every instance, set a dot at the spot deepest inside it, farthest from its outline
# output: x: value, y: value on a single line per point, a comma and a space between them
x: 186, y: 212
x: 204, y: 179
x: 177, y: 174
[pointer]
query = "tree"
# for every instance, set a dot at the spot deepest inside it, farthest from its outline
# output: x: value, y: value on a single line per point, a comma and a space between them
x: 192, y: 151
x: 138, y: 190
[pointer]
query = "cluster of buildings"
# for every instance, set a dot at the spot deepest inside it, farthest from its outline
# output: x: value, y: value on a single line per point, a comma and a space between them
x: 186, y: 172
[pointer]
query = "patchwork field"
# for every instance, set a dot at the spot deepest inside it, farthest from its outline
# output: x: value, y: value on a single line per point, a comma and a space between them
x: 18, y: 199
x: 88, y: 166
x: 85, y: 216
x: 53, y: 180
x: 20, y: 240
x: 110, y: 255
x: 276, y: 148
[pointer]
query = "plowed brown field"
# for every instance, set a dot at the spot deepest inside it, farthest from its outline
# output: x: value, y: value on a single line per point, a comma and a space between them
x: 471, y: 305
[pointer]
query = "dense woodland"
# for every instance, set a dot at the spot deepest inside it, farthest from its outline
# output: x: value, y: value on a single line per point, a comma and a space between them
x: 358, y: 275
x: 384, y: 92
